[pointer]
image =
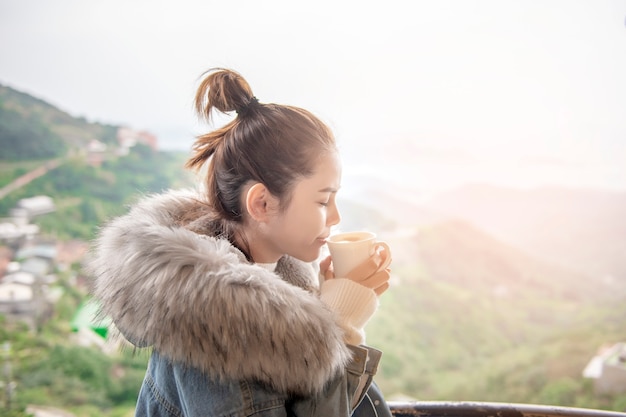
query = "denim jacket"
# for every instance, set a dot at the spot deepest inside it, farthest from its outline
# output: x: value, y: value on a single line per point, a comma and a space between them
x: 173, y: 390
x: 226, y: 334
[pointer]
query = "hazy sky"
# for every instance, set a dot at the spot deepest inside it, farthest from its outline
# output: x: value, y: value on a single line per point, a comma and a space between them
x: 522, y: 92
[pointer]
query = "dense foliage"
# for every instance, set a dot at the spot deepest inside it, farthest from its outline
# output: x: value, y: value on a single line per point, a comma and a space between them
x: 444, y: 342
x: 49, y: 369
x: 27, y: 138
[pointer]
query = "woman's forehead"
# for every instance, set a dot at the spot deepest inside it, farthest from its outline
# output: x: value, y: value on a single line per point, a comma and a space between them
x: 326, y: 176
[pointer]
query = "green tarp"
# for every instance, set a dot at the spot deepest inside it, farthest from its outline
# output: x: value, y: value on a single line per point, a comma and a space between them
x: 86, y: 317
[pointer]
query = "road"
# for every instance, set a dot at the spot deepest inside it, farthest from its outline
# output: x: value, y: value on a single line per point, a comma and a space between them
x: 28, y: 177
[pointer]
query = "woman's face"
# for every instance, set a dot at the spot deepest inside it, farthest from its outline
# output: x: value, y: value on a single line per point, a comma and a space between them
x: 301, y: 229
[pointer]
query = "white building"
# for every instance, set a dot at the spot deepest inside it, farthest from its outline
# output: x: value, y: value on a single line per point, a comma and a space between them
x: 17, y: 298
x: 11, y: 231
x: 608, y: 370
x: 33, y: 206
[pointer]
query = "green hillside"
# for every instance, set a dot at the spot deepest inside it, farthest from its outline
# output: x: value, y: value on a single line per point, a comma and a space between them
x: 469, y: 318
x: 33, y: 132
x: 49, y: 369
x: 85, y: 196
x: 30, y: 128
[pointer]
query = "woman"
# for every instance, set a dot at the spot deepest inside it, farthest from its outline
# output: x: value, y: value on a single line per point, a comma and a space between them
x: 220, y: 283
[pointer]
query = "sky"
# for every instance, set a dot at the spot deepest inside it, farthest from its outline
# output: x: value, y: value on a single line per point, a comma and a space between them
x: 434, y: 93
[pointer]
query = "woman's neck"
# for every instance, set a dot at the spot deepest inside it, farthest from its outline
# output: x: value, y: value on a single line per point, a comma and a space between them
x: 254, y: 247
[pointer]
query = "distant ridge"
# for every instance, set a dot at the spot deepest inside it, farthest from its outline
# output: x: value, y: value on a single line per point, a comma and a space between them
x: 458, y: 253
x: 31, y: 128
x: 580, y: 229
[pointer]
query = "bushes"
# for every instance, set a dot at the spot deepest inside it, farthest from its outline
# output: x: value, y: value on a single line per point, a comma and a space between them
x: 58, y: 374
x: 51, y: 370
x: 23, y: 138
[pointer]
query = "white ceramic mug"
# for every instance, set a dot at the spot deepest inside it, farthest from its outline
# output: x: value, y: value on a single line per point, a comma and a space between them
x: 348, y: 250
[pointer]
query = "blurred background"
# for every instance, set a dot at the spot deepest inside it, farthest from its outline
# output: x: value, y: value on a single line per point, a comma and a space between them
x: 484, y: 140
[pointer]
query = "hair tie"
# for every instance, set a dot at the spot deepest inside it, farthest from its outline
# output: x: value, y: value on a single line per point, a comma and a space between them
x: 243, y: 110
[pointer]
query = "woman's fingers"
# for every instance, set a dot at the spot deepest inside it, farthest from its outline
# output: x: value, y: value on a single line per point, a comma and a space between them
x: 366, y: 269
x: 378, y: 281
x: 326, y: 268
x: 371, y: 273
x: 381, y: 289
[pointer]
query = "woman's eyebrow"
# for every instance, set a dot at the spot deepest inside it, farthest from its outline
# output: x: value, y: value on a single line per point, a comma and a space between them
x: 328, y: 190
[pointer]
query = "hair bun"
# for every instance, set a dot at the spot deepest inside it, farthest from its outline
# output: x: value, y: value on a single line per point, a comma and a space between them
x: 245, y: 109
x: 225, y: 91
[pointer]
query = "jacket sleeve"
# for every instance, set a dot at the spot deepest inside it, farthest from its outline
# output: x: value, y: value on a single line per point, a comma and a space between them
x: 345, y: 392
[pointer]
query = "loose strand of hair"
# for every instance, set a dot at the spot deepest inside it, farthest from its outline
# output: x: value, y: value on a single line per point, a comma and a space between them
x: 202, y: 104
x: 205, y: 146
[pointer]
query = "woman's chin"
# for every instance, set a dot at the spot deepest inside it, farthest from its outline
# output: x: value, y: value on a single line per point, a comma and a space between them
x: 307, y: 257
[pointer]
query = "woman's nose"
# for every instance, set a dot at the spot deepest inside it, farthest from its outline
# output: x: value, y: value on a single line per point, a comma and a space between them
x: 333, y: 216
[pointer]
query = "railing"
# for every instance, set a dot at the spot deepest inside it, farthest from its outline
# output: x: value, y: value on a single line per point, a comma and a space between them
x: 489, y: 409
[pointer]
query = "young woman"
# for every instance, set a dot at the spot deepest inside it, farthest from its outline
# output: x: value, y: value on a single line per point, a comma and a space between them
x: 220, y: 282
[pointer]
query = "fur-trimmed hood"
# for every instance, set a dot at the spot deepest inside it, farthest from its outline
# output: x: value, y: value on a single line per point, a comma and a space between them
x: 196, y: 300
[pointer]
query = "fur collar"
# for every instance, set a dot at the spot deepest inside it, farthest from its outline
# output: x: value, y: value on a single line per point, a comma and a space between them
x: 196, y: 300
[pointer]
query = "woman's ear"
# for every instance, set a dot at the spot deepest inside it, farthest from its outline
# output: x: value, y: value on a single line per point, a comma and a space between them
x: 259, y: 202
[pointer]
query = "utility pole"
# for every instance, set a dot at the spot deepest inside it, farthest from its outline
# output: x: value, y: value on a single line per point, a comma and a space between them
x: 9, y: 385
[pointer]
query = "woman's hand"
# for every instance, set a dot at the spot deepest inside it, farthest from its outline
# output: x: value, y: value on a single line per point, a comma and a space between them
x: 368, y: 273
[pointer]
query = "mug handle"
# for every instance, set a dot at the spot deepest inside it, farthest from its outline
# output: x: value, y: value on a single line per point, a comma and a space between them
x: 387, y: 254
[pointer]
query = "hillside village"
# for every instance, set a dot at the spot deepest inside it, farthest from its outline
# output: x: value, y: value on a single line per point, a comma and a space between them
x: 29, y: 262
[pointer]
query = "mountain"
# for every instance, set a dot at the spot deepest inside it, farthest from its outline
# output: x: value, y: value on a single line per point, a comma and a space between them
x: 579, y: 234
x: 459, y: 254
x: 31, y: 128
x: 580, y: 229
x: 474, y: 316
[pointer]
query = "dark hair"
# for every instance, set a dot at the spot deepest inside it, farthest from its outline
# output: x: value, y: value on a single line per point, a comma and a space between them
x: 268, y: 143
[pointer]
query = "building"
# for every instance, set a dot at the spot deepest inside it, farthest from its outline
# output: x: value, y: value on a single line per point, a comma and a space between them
x: 127, y: 138
x: 17, y: 295
x: 6, y: 255
x: 70, y: 252
x: 42, y: 250
x: 14, y: 230
x: 608, y: 370
x: 96, y: 152
x: 24, y: 287
x: 33, y: 206
x: 17, y: 299
x: 27, y: 264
